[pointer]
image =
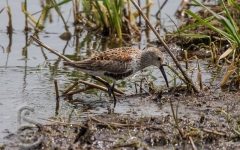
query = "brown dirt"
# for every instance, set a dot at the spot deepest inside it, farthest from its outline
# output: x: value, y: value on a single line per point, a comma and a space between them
x: 208, y: 119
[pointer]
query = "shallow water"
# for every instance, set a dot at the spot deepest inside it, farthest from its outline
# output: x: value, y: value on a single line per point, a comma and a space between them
x: 27, y: 76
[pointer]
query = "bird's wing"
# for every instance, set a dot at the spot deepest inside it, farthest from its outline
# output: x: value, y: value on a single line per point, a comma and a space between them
x: 114, y: 61
x: 114, y: 66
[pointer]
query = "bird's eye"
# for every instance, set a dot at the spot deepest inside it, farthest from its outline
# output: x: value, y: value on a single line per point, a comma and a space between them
x: 159, y: 58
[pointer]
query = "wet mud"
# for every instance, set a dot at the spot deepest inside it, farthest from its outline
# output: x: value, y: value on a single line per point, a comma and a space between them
x: 209, y: 119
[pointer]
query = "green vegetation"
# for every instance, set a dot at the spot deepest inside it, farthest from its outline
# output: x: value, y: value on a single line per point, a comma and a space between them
x: 110, y: 14
x: 230, y: 33
x: 107, y: 15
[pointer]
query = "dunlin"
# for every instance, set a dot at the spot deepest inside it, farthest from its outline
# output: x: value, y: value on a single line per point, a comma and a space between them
x: 119, y: 63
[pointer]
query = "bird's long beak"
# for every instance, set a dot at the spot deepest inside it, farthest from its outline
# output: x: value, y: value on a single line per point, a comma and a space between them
x: 164, y: 74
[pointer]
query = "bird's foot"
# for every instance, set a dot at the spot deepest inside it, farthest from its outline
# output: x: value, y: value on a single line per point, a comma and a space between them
x: 110, y: 109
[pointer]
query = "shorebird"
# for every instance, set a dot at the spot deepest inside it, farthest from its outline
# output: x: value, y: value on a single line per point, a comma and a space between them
x: 119, y: 63
x: 116, y: 63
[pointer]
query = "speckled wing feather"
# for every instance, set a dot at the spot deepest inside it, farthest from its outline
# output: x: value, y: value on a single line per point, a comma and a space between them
x: 114, y: 60
x: 121, y: 54
x: 109, y: 66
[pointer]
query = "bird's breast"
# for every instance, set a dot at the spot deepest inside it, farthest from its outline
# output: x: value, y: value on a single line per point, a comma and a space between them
x: 118, y: 76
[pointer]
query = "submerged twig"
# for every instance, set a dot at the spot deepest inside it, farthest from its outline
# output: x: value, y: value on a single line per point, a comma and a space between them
x: 142, y: 89
x: 89, y: 86
x: 80, y: 90
x: 105, y: 82
x: 2, y: 48
x: 1, y: 10
x: 96, y: 86
x: 158, y: 12
x: 56, y: 88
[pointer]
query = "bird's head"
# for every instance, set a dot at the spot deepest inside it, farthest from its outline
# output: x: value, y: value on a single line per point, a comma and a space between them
x: 156, y: 57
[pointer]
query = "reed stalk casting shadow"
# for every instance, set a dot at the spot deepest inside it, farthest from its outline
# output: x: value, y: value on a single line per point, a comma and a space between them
x: 167, y: 48
x: 56, y: 89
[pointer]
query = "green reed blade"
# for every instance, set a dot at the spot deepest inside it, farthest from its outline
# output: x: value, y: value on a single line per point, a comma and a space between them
x: 228, y: 24
x: 231, y: 24
x: 107, y: 4
x: 55, y: 5
x: 226, y: 35
x: 235, y: 4
x: 192, y: 25
x: 117, y: 21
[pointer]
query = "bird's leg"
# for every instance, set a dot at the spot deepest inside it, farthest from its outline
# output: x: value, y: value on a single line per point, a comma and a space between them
x: 109, y: 87
x: 106, y: 84
x: 112, y: 90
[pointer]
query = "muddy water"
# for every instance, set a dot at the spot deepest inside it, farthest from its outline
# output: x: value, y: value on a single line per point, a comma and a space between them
x: 27, y: 75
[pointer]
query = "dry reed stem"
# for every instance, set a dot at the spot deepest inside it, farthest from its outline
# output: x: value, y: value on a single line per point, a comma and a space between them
x: 96, y: 86
x: 114, y: 124
x: 192, y: 143
x: 80, y: 90
x: 142, y: 89
x: 227, y: 75
x: 133, y: 145
x: 174, y: 70
x: 105, y: 82
x: 70, y: 88
x: 61, y: 123
x: 215, y: 132
x: 50, y: 49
